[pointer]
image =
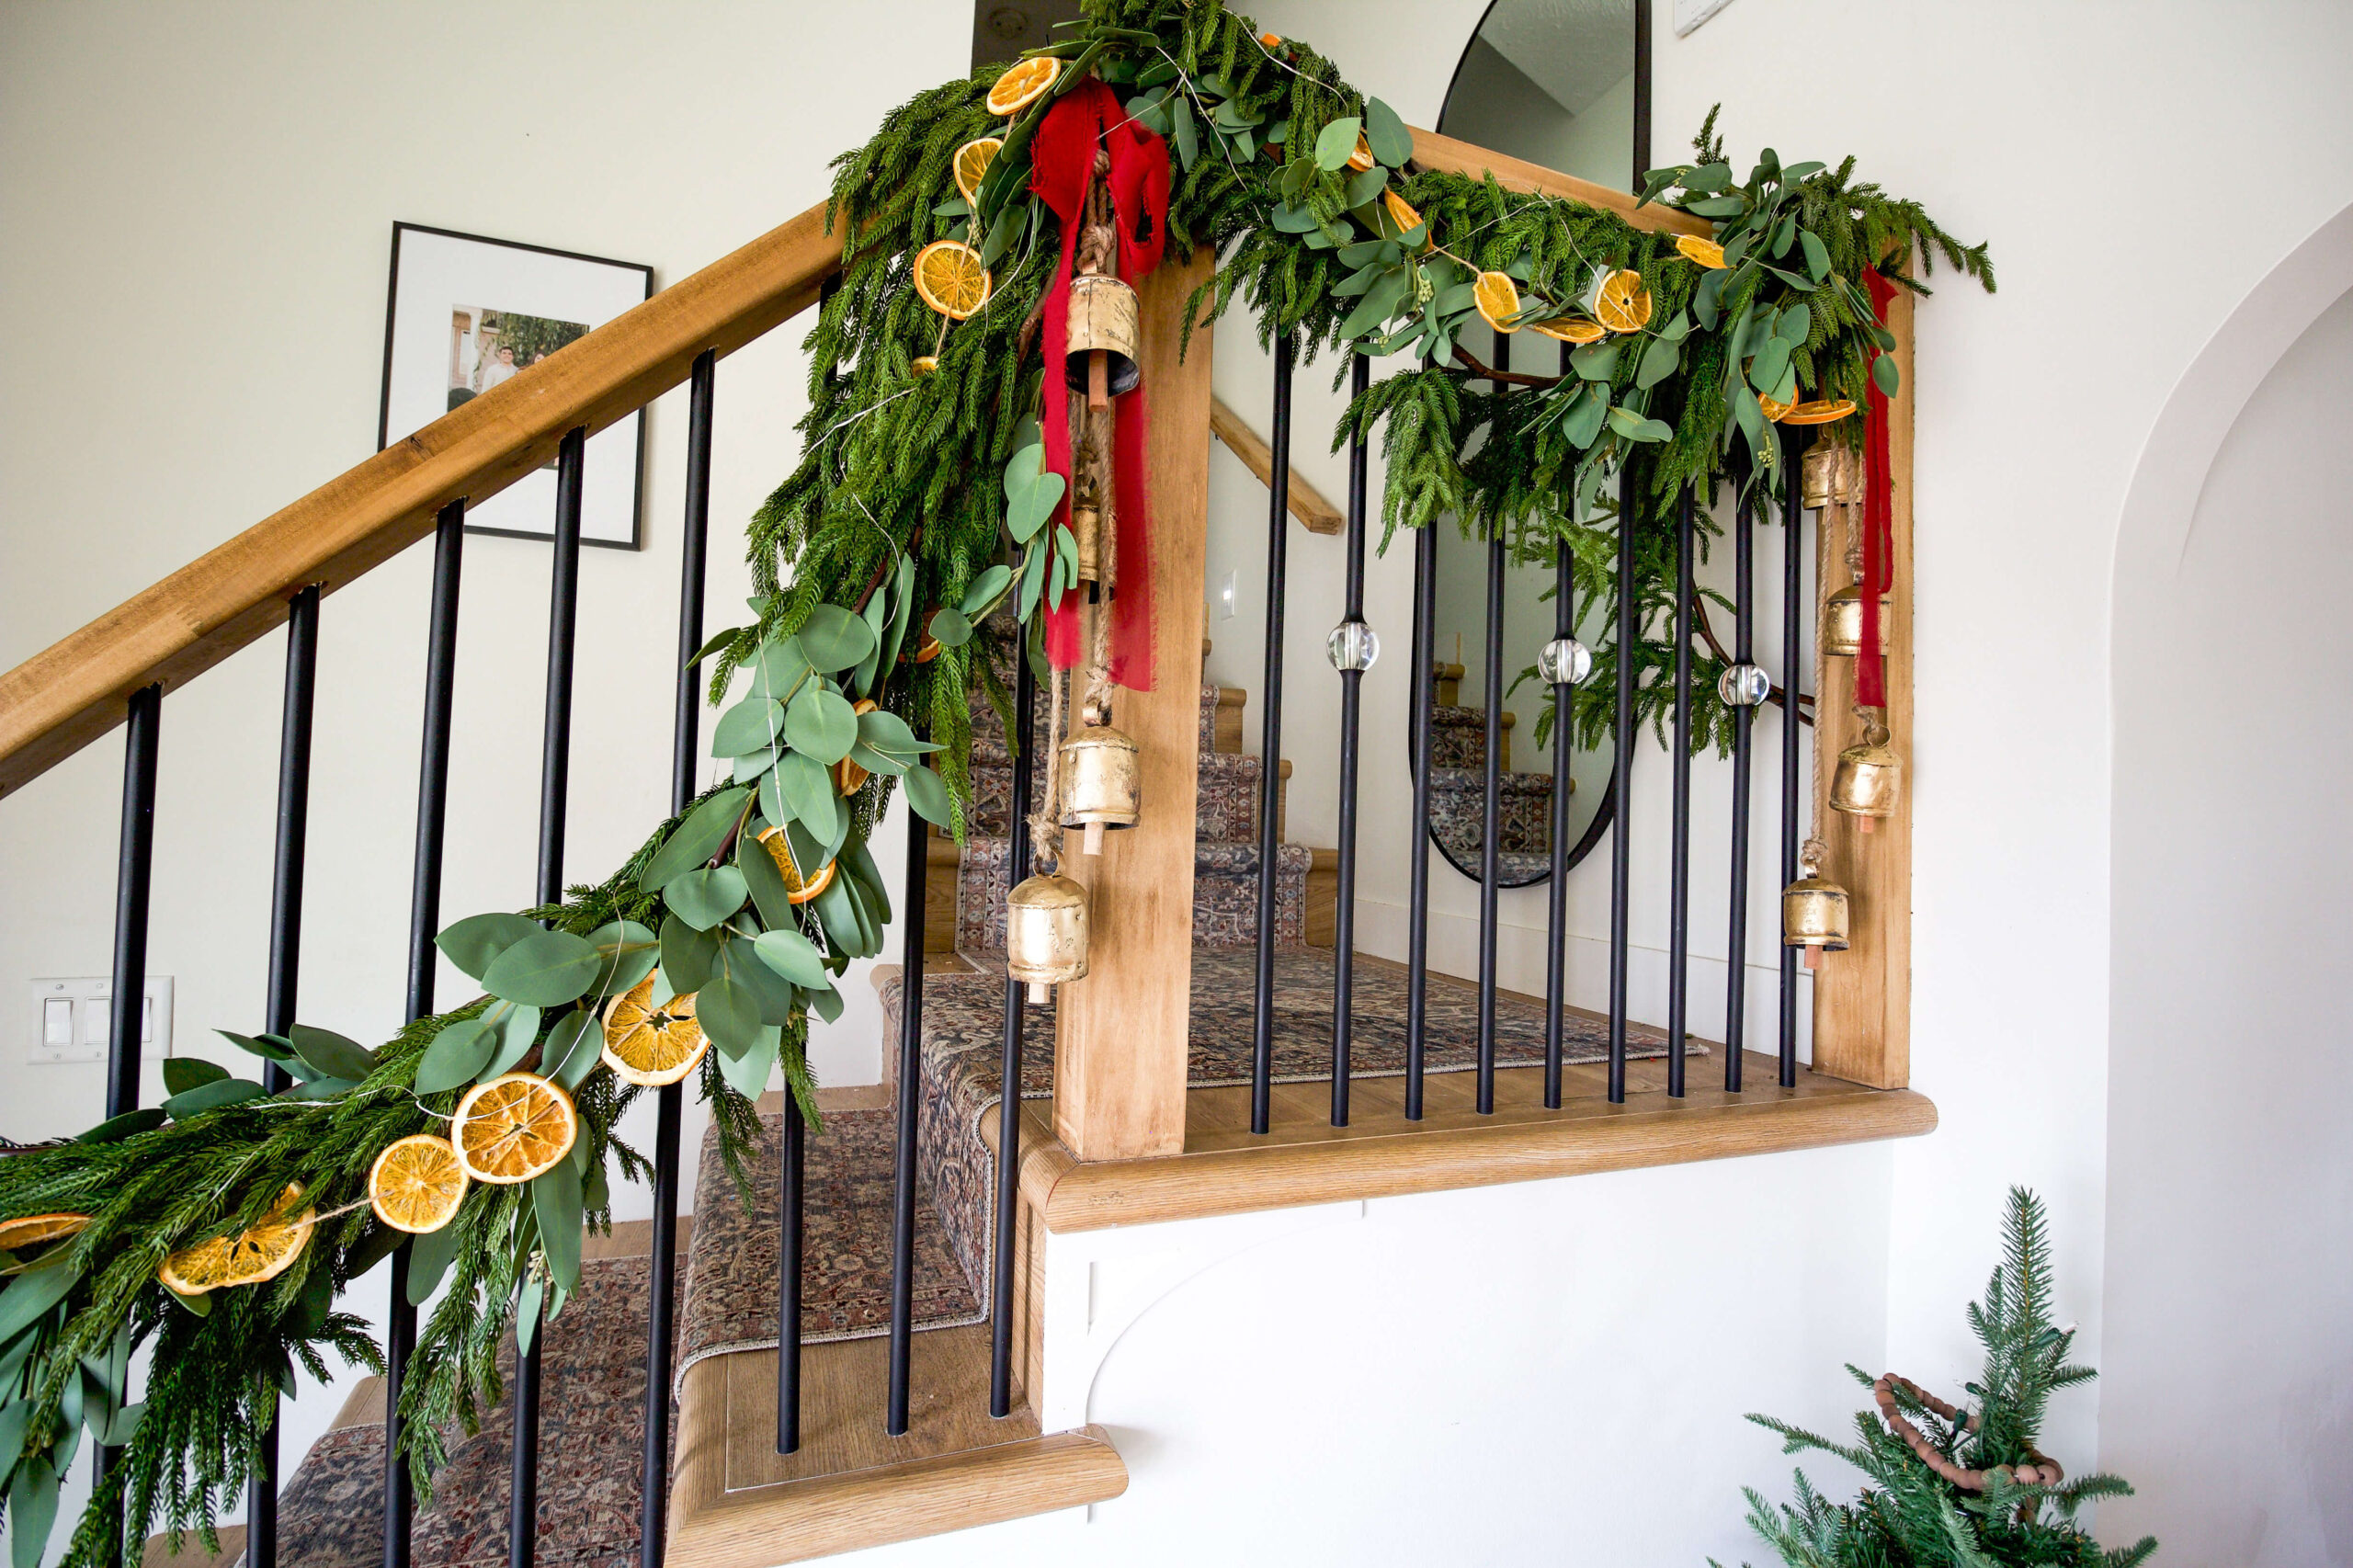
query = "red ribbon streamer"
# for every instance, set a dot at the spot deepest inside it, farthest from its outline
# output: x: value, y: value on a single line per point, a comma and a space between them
x: 1062, y: 158
x: 1878, y: 523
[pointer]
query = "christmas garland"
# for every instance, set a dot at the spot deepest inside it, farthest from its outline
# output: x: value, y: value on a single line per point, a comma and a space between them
x: 220, y: 1227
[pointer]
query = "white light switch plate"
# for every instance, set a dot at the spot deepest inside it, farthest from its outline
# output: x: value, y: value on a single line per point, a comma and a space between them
x: 71, y: 1019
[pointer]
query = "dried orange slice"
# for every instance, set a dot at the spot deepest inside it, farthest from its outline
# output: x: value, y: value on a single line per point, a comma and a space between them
x: 1570, y: 329
x: 1621, y: 304
x: 1271, y: 40
x: 1707, y: 253
x: 929, y: 650
x: 513, y: 1128
x: 1023, y: 84
x: 34, y: 1229
x: 1497, y: 297
x: 949, y: 277
x: 849, y: 776
x: 1360, y: 157
x: 1402, y: 213
x: 650, y: 1045
x: 972, y: 161
x: 1775, y: 410
x: 796, y: 891
x: 264, y: 1252
x: 925, y: 364
x: 1822, y: 411
x: 416, y: 1184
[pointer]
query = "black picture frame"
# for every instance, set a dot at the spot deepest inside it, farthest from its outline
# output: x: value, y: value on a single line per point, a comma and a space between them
x: 636, y: 539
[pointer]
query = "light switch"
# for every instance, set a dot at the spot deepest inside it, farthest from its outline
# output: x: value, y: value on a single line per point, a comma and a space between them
x: 98, y: 1020
x: 77, y: 1020
x: 57, y: 1020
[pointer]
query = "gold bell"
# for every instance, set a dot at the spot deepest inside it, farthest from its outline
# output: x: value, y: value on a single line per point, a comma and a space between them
x: 1045, y: 934
x: 1102, y: 782
x: 1868, y: 780
x: 1829, y: 472
x: 1842, y: 621
x: 1102, y: 348
x: 1814, y: 913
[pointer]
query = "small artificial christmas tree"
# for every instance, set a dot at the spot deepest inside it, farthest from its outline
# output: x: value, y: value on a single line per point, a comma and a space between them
x: 1959, y: 1488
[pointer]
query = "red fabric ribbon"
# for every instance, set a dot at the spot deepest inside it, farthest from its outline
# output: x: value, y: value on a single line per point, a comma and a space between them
x: 1061, y: 160
x: 1878, y: 523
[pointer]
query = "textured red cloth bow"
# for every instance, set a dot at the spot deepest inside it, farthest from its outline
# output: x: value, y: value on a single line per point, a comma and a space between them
x: 1061, y: 160
x: 1879, y: 524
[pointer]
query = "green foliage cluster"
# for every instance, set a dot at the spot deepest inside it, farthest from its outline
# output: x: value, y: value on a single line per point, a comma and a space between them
x: 1908, y: 1514
x: 918, y: 510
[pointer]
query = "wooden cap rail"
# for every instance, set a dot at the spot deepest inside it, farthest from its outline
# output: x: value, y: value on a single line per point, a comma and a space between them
x: 67, y: 695
x: 60, y: 700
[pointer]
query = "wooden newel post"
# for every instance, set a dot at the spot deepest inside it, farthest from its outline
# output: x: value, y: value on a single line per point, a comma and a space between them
x: 1120, y: 1034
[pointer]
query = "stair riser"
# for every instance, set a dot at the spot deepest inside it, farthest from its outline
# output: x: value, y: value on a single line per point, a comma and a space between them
x: 1458, y: 810
x: 1225, y: 896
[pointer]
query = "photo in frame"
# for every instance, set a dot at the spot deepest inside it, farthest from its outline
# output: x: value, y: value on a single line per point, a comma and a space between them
x: 467, y: 313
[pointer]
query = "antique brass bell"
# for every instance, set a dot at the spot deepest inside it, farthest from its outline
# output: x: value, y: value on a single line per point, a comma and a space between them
x: 1868, y: 780
x: 1045, y: 934
x: 1101, y: 360
x: 1829, y: 472
x: 1102, y: 782
x: 1842, y: 621
x: 1813, y: 912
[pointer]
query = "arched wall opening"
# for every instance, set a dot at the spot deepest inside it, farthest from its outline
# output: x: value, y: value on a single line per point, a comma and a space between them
x: 2228, y: 1373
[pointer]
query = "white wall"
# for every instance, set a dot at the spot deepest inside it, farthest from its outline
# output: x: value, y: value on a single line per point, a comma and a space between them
x: 199, y: 204
x: 2230, y: 1272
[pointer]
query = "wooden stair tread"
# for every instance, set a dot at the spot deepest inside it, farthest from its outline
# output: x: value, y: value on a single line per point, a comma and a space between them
x: 735, y: 1503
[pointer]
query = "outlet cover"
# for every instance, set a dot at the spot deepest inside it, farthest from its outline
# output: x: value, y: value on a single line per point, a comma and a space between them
x: 73, y: 1018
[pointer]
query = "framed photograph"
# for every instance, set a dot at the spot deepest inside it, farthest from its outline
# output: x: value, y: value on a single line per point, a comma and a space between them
x: 467, y: 313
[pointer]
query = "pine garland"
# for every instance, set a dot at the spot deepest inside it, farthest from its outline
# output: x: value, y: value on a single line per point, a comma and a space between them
x: 917, y: 511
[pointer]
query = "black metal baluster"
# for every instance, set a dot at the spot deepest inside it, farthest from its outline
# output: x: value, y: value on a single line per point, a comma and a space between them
x: 1744, y: 653
x: 1491, y: 800
x: 903, y: 1213
x: 1621, y: 824
x: 1556, y: 911
x: 1353, y: 650
x: 1270, y: 736
x: 654, y: 1498
x: 1417, y: 903
x: 555, y: 777
x: 1009, y: 1124
x: 1678, y: 919
x: 792, y: 1154
x: 285, y: 966
x: 134, y: 866
x: 1793, y: 597
x: 424, y: 922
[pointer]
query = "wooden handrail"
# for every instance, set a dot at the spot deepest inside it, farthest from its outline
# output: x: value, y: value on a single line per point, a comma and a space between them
x: 1305, y: 501
x: 1435, y: 151
x: 63, y: 698
x: 68, y: 695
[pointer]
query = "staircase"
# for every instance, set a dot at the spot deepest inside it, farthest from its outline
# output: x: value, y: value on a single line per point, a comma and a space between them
x: 1459, y: 789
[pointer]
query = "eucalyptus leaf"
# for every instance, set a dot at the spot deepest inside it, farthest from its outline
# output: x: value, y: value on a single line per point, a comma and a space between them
x: 769, y: 894
x: 833, y: 638
x: 1031, y: 493
x: 747, y: 768
x: 888, y: 733
x: 205, y: 1097
x: 927, y: 797
x: 335, y: 1055
x: 986, y: 589
x: 1003, y: 233
x: 1583, y: 423
x: 115, y: 1129
x: 573, y: 1048
x: 182, y: 1073
x: 31, y: 1294
x: 748, y: 1074
x: 826, y: 1004
x: 459, y: 1052
x: 430, y: 1258
x: 555, y: 1201
x: 1390, y: 142
x: 266, y: 1048
x: 696, y: 839
x: 821, y: 723
x: 728, y: 1012
x: 704, y: 897
x: 528, y: 1302
x: 1366, y: 185
x: 1885, y: 376
x: 778, y: 669
x: 32, y: 1511
x: 752, y: 725
x: 1188, y: 145
x: 1659, y: 362
x: 950, y: 628
x: 518, y: 1028
x: 809, y: 794
x: 1817, y: 254
x: 791, y: 955
x: 687, y: 956
x: 546, y: 970
x: 877, y: 615
x: 770, y: 992
x: 903, y: 609
x: 1336, y: 142
x: 629, y: 951
x: 473, y: 942
x: 1594, y: 361
x: 858, y: 861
